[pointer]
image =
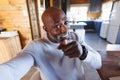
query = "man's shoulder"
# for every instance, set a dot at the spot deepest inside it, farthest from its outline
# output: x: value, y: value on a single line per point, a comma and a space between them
x: 40, y: 41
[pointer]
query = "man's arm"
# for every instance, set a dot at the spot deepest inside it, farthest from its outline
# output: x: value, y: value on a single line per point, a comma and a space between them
x: 79, y: 49
x: 93, y: 57
x: 16, y: 68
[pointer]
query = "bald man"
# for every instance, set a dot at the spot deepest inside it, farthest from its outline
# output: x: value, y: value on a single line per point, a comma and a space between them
x: 60, y: 55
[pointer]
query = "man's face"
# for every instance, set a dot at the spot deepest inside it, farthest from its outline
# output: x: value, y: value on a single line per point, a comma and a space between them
x: 56, y: 27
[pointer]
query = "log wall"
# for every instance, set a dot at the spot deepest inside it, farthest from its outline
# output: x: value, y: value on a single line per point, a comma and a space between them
x: 14, y: 16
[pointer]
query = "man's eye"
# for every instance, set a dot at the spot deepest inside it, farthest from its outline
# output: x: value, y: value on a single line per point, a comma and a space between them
x: 57, y: 27
x: 66, y: 22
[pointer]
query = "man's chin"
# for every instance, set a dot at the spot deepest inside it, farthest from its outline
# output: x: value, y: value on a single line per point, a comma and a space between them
x: 56, y: 39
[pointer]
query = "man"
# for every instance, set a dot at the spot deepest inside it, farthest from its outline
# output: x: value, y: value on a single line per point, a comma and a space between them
x: 59, y: 56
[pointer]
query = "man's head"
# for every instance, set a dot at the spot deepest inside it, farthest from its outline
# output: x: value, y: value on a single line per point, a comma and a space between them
x: 54, y: 23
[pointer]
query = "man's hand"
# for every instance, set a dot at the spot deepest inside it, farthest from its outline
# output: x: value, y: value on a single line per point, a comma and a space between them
x: 72, y: 49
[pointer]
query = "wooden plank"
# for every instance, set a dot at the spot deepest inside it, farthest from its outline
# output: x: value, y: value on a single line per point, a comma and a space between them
x: 85, y: 1
x: 9, y: 47
x: 33, y: 19
x: 3, y: 2
x: 13, y: 2
x: 94, y: 16
x: 80, y: 1
x: 12, y: 17
x: 4, y: 56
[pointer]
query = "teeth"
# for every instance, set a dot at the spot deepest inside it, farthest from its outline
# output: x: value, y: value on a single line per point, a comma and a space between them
x: 67, y: 37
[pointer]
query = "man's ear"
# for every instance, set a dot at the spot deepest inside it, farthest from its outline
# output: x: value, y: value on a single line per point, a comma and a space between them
x: 44, y: 28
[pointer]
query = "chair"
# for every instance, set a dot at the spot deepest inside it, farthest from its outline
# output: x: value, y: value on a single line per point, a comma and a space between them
x: 113, y: 47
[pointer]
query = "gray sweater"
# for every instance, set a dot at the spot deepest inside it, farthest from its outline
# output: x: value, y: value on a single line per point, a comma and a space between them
x: 52, y: 62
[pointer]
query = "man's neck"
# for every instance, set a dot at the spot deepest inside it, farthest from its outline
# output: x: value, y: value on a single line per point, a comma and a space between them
x: 51, y: 38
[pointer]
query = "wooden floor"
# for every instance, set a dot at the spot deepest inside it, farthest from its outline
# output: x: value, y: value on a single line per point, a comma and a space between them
x: 95, y: 41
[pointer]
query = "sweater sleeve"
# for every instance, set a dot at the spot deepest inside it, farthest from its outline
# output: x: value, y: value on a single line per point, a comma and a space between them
x: 17, y: 67
x: 93, y: 57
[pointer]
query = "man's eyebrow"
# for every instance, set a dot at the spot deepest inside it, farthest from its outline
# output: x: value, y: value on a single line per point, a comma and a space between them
x: 65, y: 17
x: 56, y: 22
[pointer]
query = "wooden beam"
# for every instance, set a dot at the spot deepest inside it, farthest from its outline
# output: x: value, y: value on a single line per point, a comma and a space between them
x: 80, y: 1
x: 84, y: 1
x: 93, y: 16
x: 51, y: 3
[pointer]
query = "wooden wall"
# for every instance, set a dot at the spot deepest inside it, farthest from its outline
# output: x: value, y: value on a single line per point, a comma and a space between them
x: 9, y: 48
x: 93, y: 16
x: 80, y: 1
x: 90, y: 15
x: 14, y: 16
x: 84, y: 1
